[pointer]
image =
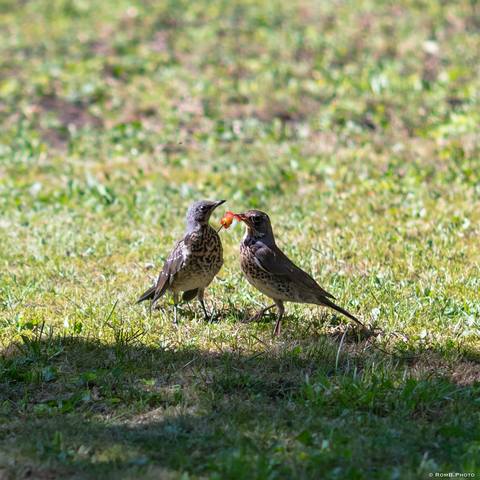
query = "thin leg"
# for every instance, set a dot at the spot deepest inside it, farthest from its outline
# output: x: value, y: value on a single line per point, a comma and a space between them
x: 175, y: 308
x: 259, y: 314
x: 202, y: 303
x: 281, y: 311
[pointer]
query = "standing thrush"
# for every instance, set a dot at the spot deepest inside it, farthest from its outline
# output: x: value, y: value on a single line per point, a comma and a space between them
x: 269, y: 270
x: 194, y: 261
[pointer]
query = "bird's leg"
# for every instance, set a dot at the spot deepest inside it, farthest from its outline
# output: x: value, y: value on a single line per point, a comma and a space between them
x: 205, y: 313
x: 175, y: 308
x: 259, y: 314
x: 202, y: 303
x: 281, y: 311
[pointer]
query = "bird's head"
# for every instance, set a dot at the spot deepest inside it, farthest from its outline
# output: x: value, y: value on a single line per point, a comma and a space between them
x: 199, y: 212
x: 257, y: 225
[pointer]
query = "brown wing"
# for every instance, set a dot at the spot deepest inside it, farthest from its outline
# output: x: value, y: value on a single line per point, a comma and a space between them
x: 273, y: 260
x: 172, y: 266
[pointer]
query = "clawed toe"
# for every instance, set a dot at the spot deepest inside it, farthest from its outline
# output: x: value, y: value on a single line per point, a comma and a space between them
x: 211, y: 317
x: 258, y: 315
x: 253, y: 318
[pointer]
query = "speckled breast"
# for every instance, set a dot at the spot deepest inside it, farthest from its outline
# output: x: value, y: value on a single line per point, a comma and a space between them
x: 207, y: 252
x: 205, y: 258
x: 274, y: 286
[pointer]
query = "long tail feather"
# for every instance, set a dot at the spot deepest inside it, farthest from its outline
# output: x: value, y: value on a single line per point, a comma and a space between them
x: 148, y: 295
x: 329, y: 303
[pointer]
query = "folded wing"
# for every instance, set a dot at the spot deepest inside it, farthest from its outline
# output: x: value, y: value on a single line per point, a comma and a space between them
x: 273, y: 260
x: 173, y: 264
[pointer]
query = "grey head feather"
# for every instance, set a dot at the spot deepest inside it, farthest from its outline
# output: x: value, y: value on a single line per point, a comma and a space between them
x: 199, y: 213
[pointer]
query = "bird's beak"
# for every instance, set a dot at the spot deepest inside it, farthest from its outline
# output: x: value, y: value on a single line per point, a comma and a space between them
x: 244, y: 219
x: 218, y: 203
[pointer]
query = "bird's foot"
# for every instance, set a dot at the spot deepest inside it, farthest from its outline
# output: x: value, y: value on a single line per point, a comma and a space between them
x: 211, y: 317
x: 208, y: 317
x: 257, y: 316
x: 253, y: 318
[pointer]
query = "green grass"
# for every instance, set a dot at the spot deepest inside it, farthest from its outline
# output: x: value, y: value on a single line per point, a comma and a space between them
x: 353, y: 124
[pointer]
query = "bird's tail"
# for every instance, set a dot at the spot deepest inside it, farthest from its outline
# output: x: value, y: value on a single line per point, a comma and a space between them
x: 148, y: 295
x: 329, y: 303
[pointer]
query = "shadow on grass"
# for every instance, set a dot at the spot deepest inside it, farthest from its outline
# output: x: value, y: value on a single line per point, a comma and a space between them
x: 73, y: 406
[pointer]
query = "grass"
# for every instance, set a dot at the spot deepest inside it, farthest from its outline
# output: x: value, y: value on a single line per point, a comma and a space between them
x: 354, y: 124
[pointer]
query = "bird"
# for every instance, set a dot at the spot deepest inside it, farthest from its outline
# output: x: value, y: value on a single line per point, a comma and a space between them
x: 269, y: 270
x: 193, y: 262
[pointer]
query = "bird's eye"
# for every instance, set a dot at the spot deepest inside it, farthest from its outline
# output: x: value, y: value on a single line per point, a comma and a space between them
x: 257, y: 220
x: 203, y: 208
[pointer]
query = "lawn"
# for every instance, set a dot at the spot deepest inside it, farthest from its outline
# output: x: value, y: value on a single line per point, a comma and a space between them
x: 353, y: 124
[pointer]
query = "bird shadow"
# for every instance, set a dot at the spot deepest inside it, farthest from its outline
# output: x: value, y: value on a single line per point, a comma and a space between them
x: 337, y: 326
x: 190, y: 311
x: 77, y: 406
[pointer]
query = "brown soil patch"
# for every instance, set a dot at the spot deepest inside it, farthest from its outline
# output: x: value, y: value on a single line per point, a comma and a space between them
x: 70, y: 115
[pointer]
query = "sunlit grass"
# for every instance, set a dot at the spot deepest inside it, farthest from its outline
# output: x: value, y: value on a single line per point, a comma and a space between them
x: 353, y: 124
